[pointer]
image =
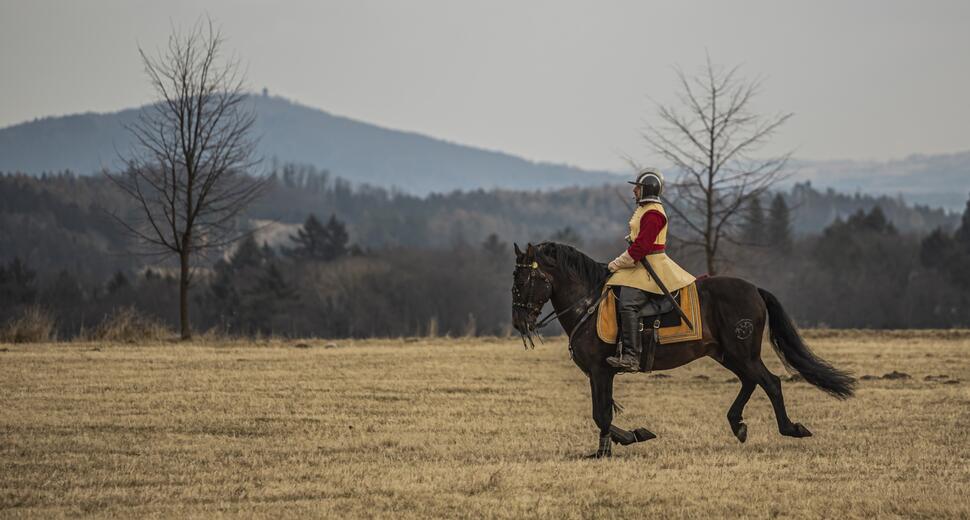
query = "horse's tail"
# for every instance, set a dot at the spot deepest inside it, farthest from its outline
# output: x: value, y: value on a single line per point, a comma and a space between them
x: 796, y: 355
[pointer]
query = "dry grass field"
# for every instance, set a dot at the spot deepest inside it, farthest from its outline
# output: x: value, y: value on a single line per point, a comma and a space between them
x: 469, y: 428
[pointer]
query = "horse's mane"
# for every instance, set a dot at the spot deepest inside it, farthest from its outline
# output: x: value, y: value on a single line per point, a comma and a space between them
x: 574, y: 263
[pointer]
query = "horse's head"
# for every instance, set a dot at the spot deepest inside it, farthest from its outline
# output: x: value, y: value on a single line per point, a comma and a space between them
x: 531, y: 289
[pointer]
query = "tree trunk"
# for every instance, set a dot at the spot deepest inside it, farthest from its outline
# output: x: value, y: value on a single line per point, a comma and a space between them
x: 184, y: 295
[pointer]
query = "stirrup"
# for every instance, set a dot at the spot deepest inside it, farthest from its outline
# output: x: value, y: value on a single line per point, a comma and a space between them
x: 617, y: 362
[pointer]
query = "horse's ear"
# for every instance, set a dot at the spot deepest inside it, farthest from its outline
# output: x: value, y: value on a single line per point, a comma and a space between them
x: 530, y: 251
x: 518, y: 252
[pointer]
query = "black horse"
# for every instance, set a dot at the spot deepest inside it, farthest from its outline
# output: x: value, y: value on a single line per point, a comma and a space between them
x: 734, y: 312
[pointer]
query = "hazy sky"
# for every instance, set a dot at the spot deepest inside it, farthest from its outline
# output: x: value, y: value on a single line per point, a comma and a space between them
x: 556, y: 81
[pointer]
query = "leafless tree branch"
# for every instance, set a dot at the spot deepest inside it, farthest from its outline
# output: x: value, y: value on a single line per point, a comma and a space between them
x: 188, y: 168
x: 710, y: 143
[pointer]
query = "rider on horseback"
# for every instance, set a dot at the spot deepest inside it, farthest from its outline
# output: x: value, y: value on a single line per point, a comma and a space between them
x: 647, y: 238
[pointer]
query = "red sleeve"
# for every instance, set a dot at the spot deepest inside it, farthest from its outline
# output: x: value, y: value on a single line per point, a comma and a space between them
x: 651, y: 223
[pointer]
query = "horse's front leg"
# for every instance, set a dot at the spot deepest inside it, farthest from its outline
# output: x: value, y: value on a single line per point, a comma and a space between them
x: 601, y: 389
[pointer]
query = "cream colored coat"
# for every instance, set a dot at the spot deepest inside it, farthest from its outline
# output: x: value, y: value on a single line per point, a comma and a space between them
x: 673, y: 276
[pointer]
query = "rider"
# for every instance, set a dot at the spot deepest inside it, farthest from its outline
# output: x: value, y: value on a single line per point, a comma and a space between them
x: 647, y: 238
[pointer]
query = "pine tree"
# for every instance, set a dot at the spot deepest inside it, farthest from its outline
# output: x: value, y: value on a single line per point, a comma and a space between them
x: 936, y: 249
x: 754, y: 225
x: 268, y: 298
x: 118, y: 282
x: 779, y: 225
x: 337, y: 237
x: 308, y: 239
x: 16, y: 283
x: 875, y: 220
x: 316, y: 241
x: 495, y: 251
x: 248, y: 254
x: 962, y: 234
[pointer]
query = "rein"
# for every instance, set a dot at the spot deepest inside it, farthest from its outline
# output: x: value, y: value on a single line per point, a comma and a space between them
x: 553, y: 314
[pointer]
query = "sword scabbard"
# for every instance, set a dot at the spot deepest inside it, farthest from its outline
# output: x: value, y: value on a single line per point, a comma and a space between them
x: 663, y: 288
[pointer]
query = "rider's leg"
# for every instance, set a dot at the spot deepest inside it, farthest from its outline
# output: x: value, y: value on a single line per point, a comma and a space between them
x: 630, y: 302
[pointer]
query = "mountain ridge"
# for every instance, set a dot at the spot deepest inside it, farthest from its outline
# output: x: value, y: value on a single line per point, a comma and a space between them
x: 292, y: 132
x: 420, y: 164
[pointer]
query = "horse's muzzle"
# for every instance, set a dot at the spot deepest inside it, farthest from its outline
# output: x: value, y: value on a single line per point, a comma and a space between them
x: 523, y: 320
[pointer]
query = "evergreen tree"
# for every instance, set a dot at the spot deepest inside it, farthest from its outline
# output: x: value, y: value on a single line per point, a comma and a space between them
x: 268, y: 298
x: 936, y: 249
x: 950, y: 255
x: 248, y: 254
x: 962, y: 235
x: 309, y: 239
x: 16, y: 284
x: 316, y: 241
x: 495, y: 251
x: 337, y: 238
x: 875, y: 221
x: 754, y: 225
x: 779, y: 225
x: 64, y: 291
x: 118, y: 282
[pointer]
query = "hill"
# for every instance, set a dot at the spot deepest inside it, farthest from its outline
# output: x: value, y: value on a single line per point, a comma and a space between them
x: 290, y: 132
x: 935, y: 180
x: 417, y: 164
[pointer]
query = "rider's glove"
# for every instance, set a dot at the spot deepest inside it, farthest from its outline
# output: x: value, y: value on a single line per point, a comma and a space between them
x: 624, y: 261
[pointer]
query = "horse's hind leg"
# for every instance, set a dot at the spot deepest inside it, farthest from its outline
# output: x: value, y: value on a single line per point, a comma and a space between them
x: 772, y: 386
x: 734, y: 415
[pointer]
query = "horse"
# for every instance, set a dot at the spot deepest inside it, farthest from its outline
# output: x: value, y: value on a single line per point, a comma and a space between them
x: 734, y: 312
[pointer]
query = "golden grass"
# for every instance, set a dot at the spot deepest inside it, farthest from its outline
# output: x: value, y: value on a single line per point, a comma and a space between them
x: 468, y: 428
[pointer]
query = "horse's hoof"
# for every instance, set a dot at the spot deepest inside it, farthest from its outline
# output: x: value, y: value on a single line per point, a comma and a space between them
x: 621, y: 437
x: 643, y: 434
x: 740, y: 431
x: 797, y: 430
x: 600, y: 455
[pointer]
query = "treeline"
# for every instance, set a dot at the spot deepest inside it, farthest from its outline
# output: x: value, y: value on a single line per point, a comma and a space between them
x: 64, y: 221
x: 863, y: 272
x: 321, y: 286
x: 380, y: 263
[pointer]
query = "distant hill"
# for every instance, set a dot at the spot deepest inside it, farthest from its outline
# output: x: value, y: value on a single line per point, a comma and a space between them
x: 935, y: 180
x: 418, y: 164
x: 356, y: 151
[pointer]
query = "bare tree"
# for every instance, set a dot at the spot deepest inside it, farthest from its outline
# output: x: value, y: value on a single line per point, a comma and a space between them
x: 187, y: 171
x: 710, y: 139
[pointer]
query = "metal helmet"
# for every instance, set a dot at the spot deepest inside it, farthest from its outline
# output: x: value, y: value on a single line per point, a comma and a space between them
x: 651, y: 183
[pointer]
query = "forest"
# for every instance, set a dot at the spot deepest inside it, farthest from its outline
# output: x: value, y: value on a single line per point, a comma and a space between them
x: 322, y: 257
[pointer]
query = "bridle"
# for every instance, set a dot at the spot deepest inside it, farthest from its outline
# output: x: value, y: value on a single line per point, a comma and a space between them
x: 524, y: 301
x: 535, y: 308
x: 517, y: 296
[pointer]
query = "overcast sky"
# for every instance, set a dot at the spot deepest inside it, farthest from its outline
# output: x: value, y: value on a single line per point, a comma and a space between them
x: 555, y: 81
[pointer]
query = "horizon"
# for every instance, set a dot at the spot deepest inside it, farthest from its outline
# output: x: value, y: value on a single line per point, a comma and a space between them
x: 565, y: 85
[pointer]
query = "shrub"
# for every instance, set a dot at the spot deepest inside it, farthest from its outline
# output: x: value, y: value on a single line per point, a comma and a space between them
x: 34, y: 325
x: 127, y: 325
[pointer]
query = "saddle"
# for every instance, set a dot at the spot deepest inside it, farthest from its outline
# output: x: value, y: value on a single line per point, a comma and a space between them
x: 671, y: 328
x: 657, y: 307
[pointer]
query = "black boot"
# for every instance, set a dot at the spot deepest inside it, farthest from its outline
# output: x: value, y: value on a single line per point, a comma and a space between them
x: 649, y: 347
x: 629, y: 359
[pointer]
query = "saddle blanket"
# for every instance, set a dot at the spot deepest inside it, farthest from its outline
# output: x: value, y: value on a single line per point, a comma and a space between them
x: 607, y: 329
